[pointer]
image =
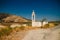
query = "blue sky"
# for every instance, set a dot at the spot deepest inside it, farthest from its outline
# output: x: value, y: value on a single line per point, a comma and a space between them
x: 49, y: 9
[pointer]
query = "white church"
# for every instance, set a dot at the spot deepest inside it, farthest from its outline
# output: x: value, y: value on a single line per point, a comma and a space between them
x: 37, y: 23
x: 34, y: 23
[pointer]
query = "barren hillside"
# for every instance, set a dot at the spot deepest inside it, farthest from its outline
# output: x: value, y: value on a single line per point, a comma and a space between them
x: 12, y: 18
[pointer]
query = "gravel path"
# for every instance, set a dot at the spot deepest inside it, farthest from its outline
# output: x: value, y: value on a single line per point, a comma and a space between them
x: 43, y: 34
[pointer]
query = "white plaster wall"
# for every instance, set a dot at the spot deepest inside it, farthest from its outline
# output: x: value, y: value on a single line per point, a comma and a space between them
x: 36, y: 24
x: 45, y: 23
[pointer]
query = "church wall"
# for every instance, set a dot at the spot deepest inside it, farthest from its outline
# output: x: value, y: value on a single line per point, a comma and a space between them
x: 36, y: 24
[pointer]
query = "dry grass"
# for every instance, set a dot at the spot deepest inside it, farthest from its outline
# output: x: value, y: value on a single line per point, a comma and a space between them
x: 11, y: 34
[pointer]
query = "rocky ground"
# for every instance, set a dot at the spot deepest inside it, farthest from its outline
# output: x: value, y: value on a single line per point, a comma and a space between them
x: 35, y: 34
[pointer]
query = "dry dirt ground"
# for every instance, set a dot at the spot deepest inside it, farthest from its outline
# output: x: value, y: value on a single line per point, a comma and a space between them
x: 35, y: 34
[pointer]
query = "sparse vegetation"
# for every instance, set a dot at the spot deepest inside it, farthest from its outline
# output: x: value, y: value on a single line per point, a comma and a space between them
x: 5, y: 31
x: 22, y: 27
x: 8, y: 30
x: 9, y: 33
x: 46, y: 26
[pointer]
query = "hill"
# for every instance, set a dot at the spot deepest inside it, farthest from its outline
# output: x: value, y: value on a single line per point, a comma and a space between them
x: 12, y: 18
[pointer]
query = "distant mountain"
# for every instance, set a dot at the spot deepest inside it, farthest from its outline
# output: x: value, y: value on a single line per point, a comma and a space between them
x: 12, y: 18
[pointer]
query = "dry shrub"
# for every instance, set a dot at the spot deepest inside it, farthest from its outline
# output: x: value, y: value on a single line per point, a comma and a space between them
x: 46, y: 26
x: 5, y: 31
x: 22, y: 27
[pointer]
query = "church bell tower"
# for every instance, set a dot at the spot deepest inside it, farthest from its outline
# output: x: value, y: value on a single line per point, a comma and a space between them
x: 33, y: 16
